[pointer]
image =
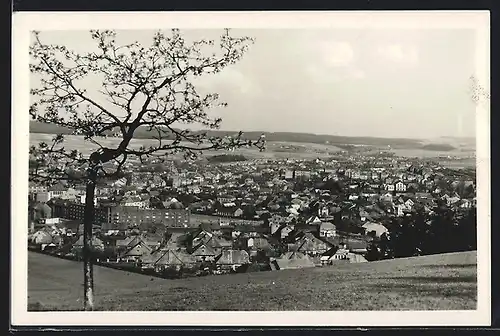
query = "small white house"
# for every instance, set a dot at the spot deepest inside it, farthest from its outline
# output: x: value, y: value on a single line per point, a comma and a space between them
x: 400, y: 186
x: 340, y: 254
x: 327, y: 230
x: 466, y: 204
x: 409, y: 203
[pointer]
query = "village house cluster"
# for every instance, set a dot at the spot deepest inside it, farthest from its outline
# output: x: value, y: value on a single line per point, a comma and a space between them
x: 210, y: 217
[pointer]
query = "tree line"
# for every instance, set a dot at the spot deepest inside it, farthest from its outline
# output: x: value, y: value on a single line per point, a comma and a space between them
x: 443, y: 230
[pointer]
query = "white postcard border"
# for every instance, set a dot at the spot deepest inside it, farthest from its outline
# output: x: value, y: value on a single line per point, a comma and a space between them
x: 27, y: 21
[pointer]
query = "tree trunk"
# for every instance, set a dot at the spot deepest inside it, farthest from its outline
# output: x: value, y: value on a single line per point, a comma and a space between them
x: 88, y: 223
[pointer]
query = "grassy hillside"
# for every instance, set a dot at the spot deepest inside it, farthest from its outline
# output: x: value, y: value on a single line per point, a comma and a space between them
x: 440, y: 282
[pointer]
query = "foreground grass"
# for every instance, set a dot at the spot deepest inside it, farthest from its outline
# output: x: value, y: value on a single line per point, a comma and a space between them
x: 438, y: 282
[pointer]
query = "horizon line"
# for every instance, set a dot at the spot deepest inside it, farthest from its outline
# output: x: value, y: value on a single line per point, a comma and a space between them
x: 306, y: 133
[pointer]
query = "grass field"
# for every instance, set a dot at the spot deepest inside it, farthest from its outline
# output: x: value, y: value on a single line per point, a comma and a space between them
x: 441, y: 282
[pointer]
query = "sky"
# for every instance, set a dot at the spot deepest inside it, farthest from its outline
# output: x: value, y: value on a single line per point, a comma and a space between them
x: 350, y: 82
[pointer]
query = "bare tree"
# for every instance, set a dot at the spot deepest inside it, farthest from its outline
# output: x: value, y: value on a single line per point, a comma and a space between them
x: 147, y: 88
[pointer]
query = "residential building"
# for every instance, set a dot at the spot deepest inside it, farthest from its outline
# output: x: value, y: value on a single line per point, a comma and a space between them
x: 327, y: 230
x: 112, y: 216
x: 400, y: 186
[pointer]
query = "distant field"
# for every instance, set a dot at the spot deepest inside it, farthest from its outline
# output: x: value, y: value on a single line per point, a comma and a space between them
x: 431, y: 153
x: 312, y: 146
x: 274, y: 150
x: 441, y: 282
x: 467, y: 163
x: 304, y: 150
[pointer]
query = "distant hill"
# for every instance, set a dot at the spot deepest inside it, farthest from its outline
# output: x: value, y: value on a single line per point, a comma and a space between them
x: 469, y: 139
x: 226, y: 158
x: 438, y: 147
x: 37, y: 127
x: 143, y: 133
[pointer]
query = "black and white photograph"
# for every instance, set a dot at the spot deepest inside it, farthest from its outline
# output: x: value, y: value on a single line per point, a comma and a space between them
x: 318, y: 168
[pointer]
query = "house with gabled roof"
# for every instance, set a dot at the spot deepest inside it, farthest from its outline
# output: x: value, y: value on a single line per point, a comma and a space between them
x: 275, y: 226
x: 173, y: 258
x: 400, y: 186
x: 149, y: 259
x: 149, y: 239
x: 357, y: 246
x: 204, y: 252
x: 310, y: 245
x: 137, y: 251
x: 334, y: 255
x: 153, y: 240
x: 229, y: 210
x: 232, y: 259
x: 219, y: 243
x: 292, y: 260
x: 285, y: 230
x: 327, y: 229
x: 41, y: 237
x: 409, y: 203
x: 258, y: 243
x: 175, y: 240
x: 201, y: 236
x: 313, y: 220
x: 126, y: 241
x: 96, y: 243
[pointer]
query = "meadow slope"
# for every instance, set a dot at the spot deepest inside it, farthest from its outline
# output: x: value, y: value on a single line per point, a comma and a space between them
x: 440, y: 282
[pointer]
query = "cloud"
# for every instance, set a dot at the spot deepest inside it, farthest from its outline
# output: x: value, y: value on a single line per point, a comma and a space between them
x: 336, y: 63
x: 406, y: 55
x: 355, y: 73
x: 228, y: 79
x: 337, y: 54
x: 328, y: 75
